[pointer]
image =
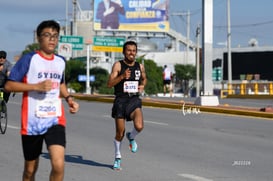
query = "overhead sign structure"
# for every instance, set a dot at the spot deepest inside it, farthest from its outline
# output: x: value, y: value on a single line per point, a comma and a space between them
x: 132, y: 15
x: 76, y: 41
x: 108, y: 44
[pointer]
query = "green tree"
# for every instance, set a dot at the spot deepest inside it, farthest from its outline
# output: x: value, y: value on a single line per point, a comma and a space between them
x: 183, y: 74
x: 154, y: 77
x: 72, y: 70
x: 100, y: 83
x: 30, y: 48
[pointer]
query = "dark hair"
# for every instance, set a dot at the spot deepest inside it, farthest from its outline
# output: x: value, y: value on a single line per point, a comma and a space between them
x: 3, y: 54
x: 47, y: 24
x: 128, y: 43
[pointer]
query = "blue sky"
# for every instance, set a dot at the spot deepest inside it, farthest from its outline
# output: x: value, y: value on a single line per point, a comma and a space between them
x: 249, y: 19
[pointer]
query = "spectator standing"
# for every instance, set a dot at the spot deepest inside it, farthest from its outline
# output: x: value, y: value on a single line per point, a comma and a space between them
x: 167, y: 80
x: 5, y: 67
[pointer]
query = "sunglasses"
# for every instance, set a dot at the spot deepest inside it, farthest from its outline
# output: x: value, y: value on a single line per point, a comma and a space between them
x: 2, y: 57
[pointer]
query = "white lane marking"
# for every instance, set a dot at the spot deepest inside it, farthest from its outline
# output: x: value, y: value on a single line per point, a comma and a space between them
x: 106, y: 116
x: 151, y: 122
x: 194, y: 177
x: 16, y: 103
x: 158, y: 123
x: 13, y: 127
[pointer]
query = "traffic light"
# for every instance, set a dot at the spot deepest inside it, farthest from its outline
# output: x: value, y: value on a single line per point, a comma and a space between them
x: 217, y: 70
x: 217, y: 74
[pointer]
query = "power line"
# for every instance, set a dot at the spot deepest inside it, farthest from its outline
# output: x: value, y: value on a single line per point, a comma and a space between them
x: 247, y: 25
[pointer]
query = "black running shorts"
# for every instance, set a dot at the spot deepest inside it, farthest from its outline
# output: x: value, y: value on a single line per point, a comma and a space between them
x: 33, y: 144
x: 166, y: 82
x: 124, y: 106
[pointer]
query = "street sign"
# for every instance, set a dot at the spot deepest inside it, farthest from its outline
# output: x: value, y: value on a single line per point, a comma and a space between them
x: 108, y: 44
x: 65, y: 49
x: 76, y: 41
x: 82, y: 78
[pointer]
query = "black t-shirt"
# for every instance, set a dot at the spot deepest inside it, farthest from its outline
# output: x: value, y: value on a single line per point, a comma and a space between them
x: 135, y: 77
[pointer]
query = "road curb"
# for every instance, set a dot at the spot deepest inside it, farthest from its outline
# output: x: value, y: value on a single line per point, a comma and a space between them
x: 180, y: 105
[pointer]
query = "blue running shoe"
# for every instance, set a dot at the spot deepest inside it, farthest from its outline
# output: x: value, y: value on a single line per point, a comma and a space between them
x: 132, y: 143
x: 117, y: 164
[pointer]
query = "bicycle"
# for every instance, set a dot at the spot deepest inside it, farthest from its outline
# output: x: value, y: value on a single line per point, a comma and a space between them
x: 3, y: 113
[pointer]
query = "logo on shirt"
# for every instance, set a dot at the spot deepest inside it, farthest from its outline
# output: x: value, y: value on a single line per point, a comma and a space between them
x: 137, y: 74
x: 49, y: 75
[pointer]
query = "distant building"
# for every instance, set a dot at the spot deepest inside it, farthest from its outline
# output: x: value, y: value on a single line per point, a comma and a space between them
x: 246, y: 62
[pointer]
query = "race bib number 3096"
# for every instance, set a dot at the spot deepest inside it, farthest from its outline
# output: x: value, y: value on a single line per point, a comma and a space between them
x: 130, y: 86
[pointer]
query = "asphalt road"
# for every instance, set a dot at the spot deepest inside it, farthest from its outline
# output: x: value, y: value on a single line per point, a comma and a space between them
x: 172, y: 147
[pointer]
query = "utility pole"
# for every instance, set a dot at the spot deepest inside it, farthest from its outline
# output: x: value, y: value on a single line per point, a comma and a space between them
x: 188, y: 32
x: 229, y: 49
x: 66, y: 17
x: 197, y: 61
x: 74, y: 32
x: 188, y: 36
x: 88, y: 90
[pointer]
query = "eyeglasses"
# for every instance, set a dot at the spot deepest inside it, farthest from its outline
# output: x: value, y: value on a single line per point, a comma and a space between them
x: 50, y: 36
x: 2, y: 57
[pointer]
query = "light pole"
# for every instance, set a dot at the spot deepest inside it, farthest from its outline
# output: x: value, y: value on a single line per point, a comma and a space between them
x: 66, y: 17
x: 229, y: 49
x: 197, y: 62
x: 188, y: 31
x: 88, y: 90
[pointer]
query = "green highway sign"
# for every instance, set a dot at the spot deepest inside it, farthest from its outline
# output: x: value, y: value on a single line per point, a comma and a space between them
x: 111, y: 44
x: 76, y: 41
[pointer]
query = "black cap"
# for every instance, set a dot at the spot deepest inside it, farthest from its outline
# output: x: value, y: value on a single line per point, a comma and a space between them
x: 3, y: 54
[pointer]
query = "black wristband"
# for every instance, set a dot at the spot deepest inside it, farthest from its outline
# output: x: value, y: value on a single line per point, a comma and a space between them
x: 67, y: 97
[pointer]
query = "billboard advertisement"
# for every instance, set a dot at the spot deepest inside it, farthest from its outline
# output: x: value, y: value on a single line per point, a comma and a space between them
x: 131, y: 15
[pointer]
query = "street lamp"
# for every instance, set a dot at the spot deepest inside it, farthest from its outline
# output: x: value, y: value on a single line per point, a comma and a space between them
x: 197, y: 62
x: 229, y: 49
x: 88, y: 45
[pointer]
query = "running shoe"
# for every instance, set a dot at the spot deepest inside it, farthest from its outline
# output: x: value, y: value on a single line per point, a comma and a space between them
x: 117, y: 163
x: 132, y: 143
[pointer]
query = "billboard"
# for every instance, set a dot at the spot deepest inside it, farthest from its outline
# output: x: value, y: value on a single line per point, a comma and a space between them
x: 131, y: 15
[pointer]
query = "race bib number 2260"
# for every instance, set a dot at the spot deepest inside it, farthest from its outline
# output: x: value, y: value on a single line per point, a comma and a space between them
x: 48, y: 108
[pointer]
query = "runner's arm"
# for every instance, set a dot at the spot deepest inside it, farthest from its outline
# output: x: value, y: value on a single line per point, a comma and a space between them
x: 114, y: 77
x: 143, y: 79
x: 13, y: 86
x: 73, y: 106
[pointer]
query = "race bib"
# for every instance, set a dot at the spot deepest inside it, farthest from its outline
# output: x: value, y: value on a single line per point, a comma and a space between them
x: 130, y: 86
x: 48, y: 108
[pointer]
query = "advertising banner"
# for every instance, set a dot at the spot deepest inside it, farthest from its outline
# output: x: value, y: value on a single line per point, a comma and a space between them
x: 131, y: 15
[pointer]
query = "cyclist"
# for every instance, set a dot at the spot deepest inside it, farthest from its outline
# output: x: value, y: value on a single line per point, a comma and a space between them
x: 5, y: 67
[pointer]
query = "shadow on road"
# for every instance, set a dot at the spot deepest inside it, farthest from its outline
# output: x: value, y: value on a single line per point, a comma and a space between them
x: 79, y: 160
